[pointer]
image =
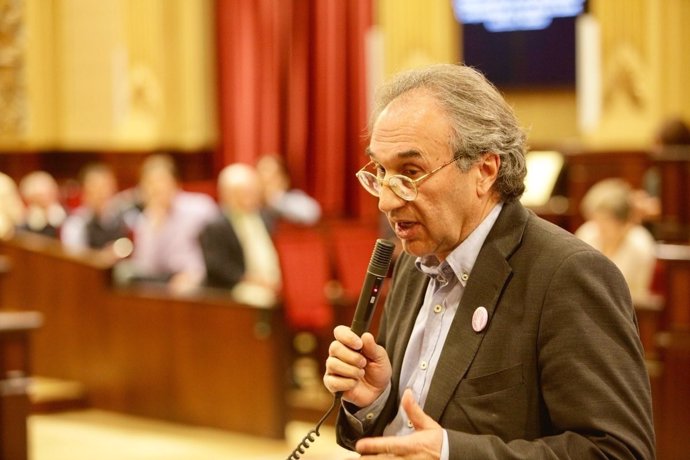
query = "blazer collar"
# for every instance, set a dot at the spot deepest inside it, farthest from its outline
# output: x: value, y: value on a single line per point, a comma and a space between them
x: 486, y: 282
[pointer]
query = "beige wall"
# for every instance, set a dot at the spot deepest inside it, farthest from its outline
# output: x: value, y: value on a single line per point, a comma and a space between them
x: 646, y: 58
x: 40, y: 75
x: 416, y: 32
x: 548, y: 116
x: 118, y: 74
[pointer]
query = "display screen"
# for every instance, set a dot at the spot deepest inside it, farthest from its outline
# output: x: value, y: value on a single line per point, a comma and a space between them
x: 524, y: 43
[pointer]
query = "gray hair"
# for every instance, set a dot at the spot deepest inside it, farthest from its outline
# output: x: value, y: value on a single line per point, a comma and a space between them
x: 481, y: 120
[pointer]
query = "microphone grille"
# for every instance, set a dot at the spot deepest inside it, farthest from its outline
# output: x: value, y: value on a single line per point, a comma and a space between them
x: 381, y: 257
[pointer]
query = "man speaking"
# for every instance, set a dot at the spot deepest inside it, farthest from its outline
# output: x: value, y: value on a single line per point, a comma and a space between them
x: 503, y: 336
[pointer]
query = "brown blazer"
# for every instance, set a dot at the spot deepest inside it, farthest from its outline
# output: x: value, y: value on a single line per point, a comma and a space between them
x: 558, y: 372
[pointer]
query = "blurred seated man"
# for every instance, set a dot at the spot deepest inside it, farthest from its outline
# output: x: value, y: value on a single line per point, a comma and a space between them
x: 283, y: 202
x: 238, y: 250
x: 101, y: 219
x: 11, y: 207
x: 165, y: 233
x: 44, y: 212
x: 611, y: 228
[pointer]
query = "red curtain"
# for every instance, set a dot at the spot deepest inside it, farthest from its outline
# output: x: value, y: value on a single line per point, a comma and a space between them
x: 292, y: 80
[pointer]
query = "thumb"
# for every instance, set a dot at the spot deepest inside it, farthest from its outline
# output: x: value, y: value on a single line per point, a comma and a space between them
x: 415, y: 413
x: 370, y: 348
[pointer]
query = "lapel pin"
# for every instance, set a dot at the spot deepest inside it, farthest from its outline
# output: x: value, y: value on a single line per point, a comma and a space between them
x: 479, y: 319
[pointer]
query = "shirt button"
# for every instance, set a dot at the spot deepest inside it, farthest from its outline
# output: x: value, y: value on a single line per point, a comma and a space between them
x: 465, y: 276
x: 438, y: 308
x: 409, y: 424
x: 370, y: 416
x: 423, y: 365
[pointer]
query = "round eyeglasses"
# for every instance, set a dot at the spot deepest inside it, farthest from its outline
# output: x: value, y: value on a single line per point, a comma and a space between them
x: 402, y: 186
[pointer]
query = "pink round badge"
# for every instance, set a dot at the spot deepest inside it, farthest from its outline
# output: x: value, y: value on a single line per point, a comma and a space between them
x: 479, y: 319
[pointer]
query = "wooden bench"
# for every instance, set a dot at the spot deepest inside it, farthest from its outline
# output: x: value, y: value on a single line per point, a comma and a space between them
x: 199, y: 359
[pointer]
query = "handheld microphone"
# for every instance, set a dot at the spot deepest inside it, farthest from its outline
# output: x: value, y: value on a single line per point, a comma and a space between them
x: 364, y: 312
x: 371, y: 289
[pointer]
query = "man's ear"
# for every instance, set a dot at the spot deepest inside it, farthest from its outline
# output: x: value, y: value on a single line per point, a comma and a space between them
x: 488, y: 172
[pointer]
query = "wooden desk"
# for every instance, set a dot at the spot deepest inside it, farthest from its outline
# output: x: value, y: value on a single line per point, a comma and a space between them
x: 15, y: 370
x: 200, y: 359
x: 675, y: 260
x: 203, y: 360
x: 673, y: 397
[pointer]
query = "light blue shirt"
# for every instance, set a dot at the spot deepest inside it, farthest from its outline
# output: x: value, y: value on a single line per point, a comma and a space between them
x: 444, y: 291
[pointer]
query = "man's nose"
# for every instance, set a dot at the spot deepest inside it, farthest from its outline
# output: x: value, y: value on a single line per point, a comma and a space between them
x: 388, y: 200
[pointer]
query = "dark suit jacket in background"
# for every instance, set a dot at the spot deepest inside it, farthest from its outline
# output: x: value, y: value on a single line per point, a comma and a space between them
x: 558, y: 372
x: 223, y: 254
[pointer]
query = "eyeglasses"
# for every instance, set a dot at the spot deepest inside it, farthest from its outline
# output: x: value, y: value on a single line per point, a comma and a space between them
x: 402, y: 186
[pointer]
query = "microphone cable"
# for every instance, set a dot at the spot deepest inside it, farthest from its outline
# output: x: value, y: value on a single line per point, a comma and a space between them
x: 309, y: 439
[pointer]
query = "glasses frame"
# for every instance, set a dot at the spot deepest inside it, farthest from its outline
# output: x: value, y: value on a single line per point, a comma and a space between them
x: 362, y: 177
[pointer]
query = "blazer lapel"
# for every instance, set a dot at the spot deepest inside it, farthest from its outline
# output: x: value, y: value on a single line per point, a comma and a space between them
x: 484, y: 287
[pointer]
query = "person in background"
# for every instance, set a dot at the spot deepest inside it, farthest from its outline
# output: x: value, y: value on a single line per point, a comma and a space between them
x: 166, y: 247
x: 237, y: 248
x: 44, y: 212
x: 282, y: 202
x: 671, y: 140
x: 11, y: 207
x: 101, y: 219
x: 613, y: 228
x: 673, y: 131
x: 503, y: 336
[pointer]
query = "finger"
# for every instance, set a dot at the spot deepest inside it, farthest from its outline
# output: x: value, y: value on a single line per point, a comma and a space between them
x: 335, y: 384
x: 344, y: 335
x: 419, y: 445
x: 370, y: 349
x: 347, y: 355
x: 336, y: 367
x: 371, y: 446
x: 380, y: 447
x: 420, y: 420
x: 378, y: 457
x: 341, y: 376
x: 368, y: 342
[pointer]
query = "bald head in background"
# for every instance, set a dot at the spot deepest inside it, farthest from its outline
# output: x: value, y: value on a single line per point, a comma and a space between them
x: 238, y: 250
x: 239, y: 189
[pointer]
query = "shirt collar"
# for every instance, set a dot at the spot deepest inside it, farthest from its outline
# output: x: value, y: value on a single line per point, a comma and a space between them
x: 460, y: 261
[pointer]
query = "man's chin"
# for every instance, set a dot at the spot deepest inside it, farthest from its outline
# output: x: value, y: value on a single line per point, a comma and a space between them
x: 414, y: 248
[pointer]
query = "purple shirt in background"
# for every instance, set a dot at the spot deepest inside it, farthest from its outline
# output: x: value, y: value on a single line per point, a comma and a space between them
x: 173, y: 247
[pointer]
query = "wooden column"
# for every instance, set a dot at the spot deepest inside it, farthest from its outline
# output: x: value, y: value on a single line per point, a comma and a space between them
x: 14, y: 372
